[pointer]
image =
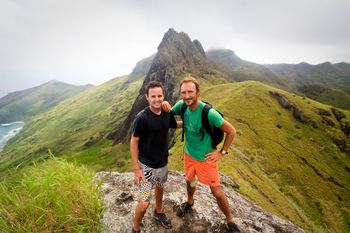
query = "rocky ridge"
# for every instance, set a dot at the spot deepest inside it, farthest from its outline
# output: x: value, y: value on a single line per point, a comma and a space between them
x: 120, y: 198
x: 176, y: 54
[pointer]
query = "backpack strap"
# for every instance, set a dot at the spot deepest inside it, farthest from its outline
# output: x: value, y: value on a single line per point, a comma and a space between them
x: 205, y: 121
x: 182, y: 113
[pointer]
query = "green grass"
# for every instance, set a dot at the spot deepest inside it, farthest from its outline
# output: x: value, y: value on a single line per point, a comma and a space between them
x: 53, y: 196
x: 75, y: 125
x: 294, y: 171
x: 103, y: 156
x: 23, y: 105
x: 285, y: 170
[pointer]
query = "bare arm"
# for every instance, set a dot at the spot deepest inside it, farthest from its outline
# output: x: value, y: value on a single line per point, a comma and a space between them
x: 230, y: 132
x: 134, y: 143
x: 166, y: 106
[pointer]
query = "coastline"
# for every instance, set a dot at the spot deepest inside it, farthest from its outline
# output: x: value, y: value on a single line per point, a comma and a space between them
x: 7, y: 134
x: 11, y: 123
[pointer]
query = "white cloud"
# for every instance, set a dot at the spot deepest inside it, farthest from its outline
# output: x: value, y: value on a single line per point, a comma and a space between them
x: 93, y: 41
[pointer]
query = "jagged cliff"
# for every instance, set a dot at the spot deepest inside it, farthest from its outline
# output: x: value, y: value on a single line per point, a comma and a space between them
x: 120, y: 198
x: 176, y: 54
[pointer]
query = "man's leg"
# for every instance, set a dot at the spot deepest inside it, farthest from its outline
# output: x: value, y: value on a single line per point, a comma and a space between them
x: 187, y: 206
x: 222, y: 201
x: 190, y: 172
x: 159, y: 198
x: 145, y: 195
x: 140, y: 211
x: 159, y: 214
x: 191, y: 188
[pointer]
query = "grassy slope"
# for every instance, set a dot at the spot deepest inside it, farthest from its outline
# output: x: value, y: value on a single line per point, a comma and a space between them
x: 330, y: 76
x: 22, y: 105
x: 286, y: 170
x: 77, y: 127
x: 297, y: 173
x: 331, y: 96
x: 54, y: 196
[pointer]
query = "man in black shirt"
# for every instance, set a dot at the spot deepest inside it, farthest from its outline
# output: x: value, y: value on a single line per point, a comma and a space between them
x: 149, y: 153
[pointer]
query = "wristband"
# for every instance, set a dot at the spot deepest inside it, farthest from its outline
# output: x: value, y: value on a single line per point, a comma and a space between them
x: 223, y: 152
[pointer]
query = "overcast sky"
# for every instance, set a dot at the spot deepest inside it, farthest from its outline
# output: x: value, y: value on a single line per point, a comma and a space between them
x: 87, y: 41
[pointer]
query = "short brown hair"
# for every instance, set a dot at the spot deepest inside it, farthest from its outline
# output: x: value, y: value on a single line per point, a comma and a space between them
x: 190, y: 79
x: 154, y: 84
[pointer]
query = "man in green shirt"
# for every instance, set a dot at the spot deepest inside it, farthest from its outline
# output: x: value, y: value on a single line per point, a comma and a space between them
x: 200, y: 159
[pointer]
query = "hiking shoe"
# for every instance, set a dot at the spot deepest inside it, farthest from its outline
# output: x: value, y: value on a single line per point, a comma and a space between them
x: 183, y: 209
x: 232, y: 228
x: 163, y: 219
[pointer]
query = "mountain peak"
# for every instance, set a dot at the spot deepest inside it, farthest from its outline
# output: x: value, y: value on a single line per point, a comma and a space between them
x: 225, y: 56
x: 178, y: 48
x: 177, y: 54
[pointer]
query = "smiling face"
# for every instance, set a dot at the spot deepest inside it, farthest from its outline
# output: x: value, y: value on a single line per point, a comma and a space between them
x: 155, y: 98
x: 189, y: 94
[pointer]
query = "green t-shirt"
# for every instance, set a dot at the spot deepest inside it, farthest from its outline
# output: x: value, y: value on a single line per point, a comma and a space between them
x: 194, y: 147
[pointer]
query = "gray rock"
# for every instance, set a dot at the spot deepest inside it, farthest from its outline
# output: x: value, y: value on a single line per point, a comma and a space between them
x: 120, y: 198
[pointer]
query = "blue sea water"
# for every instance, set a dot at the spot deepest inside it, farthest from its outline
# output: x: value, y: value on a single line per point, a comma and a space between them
x: 9, y: 130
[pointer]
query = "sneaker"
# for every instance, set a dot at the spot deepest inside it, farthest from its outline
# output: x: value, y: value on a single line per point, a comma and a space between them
x: 163, y: 219
x: 232, y: 228
x: 183, y: 209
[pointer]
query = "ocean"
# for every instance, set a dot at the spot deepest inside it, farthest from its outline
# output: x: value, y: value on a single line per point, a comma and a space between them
x: 9, y: 130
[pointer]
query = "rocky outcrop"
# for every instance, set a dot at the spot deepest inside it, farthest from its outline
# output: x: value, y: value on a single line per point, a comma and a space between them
x: 344, y: 125
x: 120, y: 198
x: 339, y: 115
x: 176, y: 54
x: 297, y: 113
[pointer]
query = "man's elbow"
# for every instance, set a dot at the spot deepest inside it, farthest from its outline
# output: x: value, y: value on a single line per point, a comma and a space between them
x: 231, y: 131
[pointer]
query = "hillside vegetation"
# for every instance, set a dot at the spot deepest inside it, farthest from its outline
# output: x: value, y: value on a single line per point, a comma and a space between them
x: 299, y: 171
x: 291, y: 154
x: 22, y: 105
x: 78, y: 127
x: 290, y: 168
x: 296, y: 170
x: 54, y: 196
x: 326, y: 83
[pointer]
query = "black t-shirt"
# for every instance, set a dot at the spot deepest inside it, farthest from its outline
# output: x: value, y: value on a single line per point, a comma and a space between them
x: 153, y: 131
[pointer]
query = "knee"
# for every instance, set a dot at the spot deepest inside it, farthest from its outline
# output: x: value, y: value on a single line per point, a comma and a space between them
x: 217, y: 192
x: 191, y: 183
x: 143, y: 205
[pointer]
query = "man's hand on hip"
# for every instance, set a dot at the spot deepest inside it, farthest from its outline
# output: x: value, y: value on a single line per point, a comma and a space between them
x: 213, y: 156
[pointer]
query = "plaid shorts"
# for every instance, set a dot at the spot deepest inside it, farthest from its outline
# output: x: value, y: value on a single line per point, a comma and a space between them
x: 153, y: 176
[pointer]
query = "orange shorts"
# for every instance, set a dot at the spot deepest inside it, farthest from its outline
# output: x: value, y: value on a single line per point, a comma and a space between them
x: 207, y: 172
